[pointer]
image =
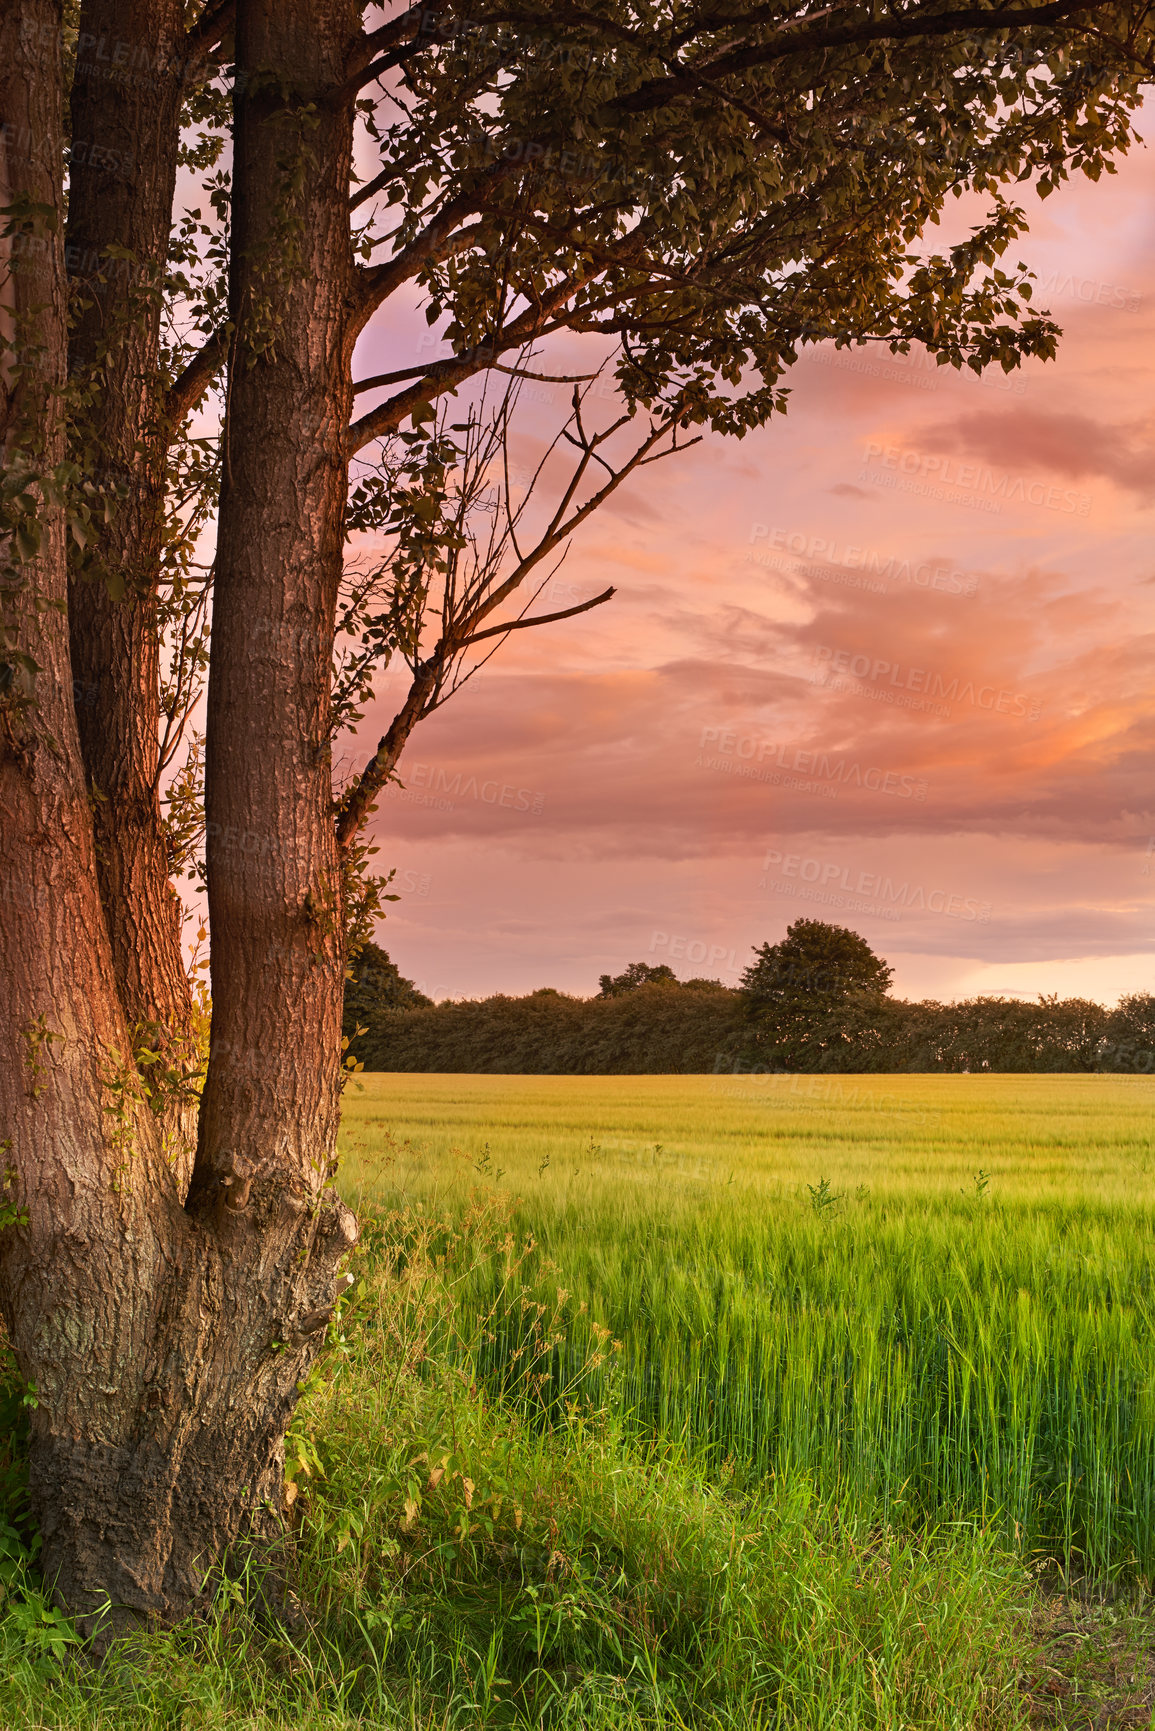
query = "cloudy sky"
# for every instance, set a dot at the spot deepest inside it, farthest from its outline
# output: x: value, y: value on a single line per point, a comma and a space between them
x: 888, y: 663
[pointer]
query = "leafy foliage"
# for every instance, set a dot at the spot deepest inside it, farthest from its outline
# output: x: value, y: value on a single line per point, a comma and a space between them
x: 817, y: 961
x: 653, y: 1029
x: 695, y: 196
x: 376, y: 984
x: 635, y: 975
x: 816, y: 1002
x: 801, y: 992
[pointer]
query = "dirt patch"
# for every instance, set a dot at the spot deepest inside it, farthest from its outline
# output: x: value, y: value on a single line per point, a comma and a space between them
x: 1095, y: 1665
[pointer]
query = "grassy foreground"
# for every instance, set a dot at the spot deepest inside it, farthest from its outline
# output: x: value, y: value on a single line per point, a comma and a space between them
x: 503, y: 1518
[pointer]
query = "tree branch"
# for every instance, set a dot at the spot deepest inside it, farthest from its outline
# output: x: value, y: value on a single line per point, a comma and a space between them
x: 424, y: 692
x: 205, y: 37
x: 377, y: 283
x: 540, y: 619
x: 656, y: 92
x: 371, y: 187
x: 189, y: 386
x: 386, y: 36
x: 441, y: 376
x: 381, y: 379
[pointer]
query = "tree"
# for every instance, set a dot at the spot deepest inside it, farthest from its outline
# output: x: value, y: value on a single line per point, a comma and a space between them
x: 374, y: 986
x: 808, y: 995
x: 635, y: 975
x: 822, y: 962
x: 688, y: 198
x: 376, y: 982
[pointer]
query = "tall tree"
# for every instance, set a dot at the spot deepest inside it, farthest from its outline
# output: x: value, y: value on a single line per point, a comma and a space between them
x: 694, y: 195
x: 125, y: 146
x: 806, y: 993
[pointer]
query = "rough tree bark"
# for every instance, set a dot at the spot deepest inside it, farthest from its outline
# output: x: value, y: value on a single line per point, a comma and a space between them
x: 83, y: 1161
x: 166, y: 1342
x: 126, y: 107
x: 273, y: 1088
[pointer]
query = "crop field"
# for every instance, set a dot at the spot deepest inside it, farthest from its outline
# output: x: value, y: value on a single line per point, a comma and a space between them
x: 723, y: 1403
x: 928, y: 1298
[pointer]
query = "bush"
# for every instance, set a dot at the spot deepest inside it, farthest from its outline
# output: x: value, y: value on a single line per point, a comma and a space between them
x: 655, y: 1029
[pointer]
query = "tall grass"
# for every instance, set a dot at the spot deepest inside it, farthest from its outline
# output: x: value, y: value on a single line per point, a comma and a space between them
x: 470, y: 1561
x: 930, y: 1300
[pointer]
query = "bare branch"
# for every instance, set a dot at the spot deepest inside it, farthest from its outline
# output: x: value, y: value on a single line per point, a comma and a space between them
x: 381, y: 379
x: 540, y: 619
x: 545, y: 378
x: 461, y: 620
x: 189, y: 386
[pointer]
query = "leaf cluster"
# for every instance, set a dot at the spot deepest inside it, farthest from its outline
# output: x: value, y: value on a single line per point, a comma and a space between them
x: 713, y: 190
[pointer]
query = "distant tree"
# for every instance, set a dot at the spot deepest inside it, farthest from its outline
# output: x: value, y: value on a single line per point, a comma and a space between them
x: 375, y: 986
x: 376, y: 982
x: 637, y: 974
x: 1129, y: 1043
x: 818, y: 960
x: 800, y: 992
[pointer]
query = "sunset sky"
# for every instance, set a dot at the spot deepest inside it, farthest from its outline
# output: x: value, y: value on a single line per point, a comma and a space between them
x: 896, y: 649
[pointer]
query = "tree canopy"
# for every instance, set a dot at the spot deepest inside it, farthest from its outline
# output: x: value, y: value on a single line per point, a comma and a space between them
x: 818, y: 962
x: 822, y: 985
x: 635, y: 975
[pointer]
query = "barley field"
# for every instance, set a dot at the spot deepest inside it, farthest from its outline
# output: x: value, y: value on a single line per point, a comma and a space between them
x: 724, y: 1403
x: 930, y: 1299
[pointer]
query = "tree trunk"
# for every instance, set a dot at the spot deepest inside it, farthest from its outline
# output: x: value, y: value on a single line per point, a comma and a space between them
x: 125, y: 139
x: 273, y: 1088
x: 166, y: 1342
x: 83, y: 1165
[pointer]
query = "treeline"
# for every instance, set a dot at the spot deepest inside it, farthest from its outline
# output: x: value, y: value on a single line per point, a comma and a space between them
x: 819, y: 1016
x: 996, y: 1034
x: 655, y: 1030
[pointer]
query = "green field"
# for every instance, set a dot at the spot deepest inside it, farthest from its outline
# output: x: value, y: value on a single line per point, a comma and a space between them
x: 932, y: 1297
x: 874, y: 1451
